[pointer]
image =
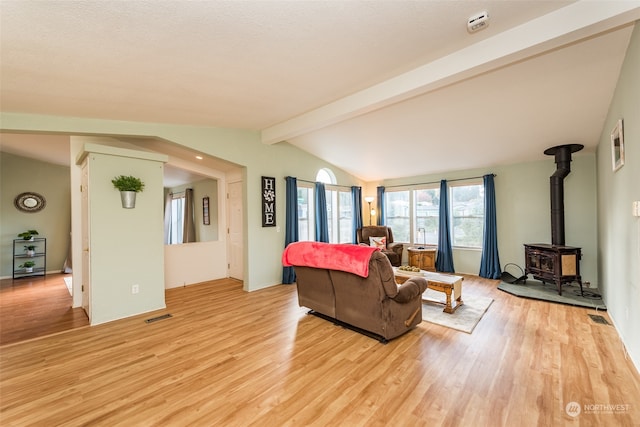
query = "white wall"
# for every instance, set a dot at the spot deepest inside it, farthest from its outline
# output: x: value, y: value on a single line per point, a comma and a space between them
x: 191, y: 263
x: 618, y: 229
x: 196, y: 262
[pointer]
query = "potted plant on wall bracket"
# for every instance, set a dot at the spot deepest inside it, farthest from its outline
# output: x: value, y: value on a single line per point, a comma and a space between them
x: 28, y: 266
x: 128, y: 186
x: 28, y: 235
x: 30, y: 250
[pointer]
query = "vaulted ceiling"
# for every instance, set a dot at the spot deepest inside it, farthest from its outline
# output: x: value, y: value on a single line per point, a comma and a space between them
x: 382, y: 89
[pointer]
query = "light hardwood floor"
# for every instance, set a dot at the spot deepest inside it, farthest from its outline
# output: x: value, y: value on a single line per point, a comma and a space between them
x: 231, y: 358
x: 36, y: 306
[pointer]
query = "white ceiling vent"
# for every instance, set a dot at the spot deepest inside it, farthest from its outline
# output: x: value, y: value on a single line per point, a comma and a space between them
x: 478, y: 21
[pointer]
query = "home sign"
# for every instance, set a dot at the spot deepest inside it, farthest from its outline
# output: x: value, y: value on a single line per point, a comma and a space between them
x: 268, y: 201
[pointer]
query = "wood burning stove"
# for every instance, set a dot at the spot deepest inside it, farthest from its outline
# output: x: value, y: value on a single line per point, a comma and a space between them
x: 553, y: 264
x: 556, y: 262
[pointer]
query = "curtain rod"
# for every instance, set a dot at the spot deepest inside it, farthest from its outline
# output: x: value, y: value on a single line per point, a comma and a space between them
x: 313, y: 182
x: 438, y: 182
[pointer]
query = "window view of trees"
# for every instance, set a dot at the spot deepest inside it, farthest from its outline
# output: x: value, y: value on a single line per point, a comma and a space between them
x: 339, y: 215
x: 345, y: 219
x: 467, y: 213
x: 306, y: 231
x: 398, y: 214
x: 427, y: 216
x: 413, y: 215
x: 339, y: 212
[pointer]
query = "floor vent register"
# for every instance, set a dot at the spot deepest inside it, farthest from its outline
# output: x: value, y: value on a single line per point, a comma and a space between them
x: 155, y: 319
x: 599, y: 319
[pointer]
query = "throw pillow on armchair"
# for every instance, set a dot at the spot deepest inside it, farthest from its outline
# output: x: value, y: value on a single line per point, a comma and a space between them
x: 378, y: 242
x: 367, y: 234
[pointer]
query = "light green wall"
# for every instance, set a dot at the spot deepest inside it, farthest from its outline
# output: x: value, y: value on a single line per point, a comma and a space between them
x: 18, y: 175
x: 618, y: 230
x: 126, y: 245
x: 263, y: 246
x: 523, y: 210
x: 208, y: 188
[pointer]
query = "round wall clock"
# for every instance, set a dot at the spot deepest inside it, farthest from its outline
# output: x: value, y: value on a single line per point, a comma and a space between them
x: 29, y: 202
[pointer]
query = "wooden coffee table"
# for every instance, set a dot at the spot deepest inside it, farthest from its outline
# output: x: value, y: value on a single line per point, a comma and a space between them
x: 449, y: 284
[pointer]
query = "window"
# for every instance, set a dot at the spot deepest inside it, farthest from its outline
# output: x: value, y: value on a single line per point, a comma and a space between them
x: 339, y: 210
x: 339, y: 215
x: 467, y: 215
x: 427, y: 216
x: 177, y: 219
x: 398, y: 214
x: 306, y: 224
x: 414, y: 215
x: 325, y: 176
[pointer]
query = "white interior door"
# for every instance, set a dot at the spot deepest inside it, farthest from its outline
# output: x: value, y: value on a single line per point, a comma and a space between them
x: 234, y: 221
x: 86, y: 273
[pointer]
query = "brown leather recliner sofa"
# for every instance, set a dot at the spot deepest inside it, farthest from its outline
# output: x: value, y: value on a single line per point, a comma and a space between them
x: 373, y: 304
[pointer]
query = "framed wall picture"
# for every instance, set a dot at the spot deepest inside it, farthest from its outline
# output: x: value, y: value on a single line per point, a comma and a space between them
x: 205, y: 211
x: 617, y: 146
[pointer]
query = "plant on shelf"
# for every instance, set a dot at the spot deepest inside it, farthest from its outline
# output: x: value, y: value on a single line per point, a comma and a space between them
x: 28, y: 235
x: 30, y: 250
x: 128, y: 183
x: 28, y: 266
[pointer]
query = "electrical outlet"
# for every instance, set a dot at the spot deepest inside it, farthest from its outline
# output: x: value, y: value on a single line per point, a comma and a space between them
x: 635, y: 208
x: 135, y: 289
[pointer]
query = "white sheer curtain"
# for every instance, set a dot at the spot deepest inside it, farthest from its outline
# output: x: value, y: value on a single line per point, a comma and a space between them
x: 179, y: 221
x: 173, y: 220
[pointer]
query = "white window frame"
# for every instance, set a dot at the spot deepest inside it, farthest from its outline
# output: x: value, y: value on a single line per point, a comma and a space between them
x: 333, y: 215
x: 419, y: 236
x: 310, y: 211
x: 332, y: 193
x: 414, y: 235
x: 411, y: 218
x: 452, y: 216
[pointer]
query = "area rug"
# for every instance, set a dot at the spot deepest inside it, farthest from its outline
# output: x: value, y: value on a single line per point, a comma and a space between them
x: 68, y: 282
x: 464, y: 319
x: 549, y: 292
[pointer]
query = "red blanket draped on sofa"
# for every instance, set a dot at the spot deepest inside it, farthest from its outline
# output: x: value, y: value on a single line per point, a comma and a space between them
x: 344, y: 257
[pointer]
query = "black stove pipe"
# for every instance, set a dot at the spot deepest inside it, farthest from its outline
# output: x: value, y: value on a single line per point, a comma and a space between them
x: 562, y: 155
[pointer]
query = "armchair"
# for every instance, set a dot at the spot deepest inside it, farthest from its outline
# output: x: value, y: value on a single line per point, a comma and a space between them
x: 392, y: 250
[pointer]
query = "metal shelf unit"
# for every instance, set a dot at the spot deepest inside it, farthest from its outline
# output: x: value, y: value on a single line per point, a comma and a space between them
x: 20, y: 256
